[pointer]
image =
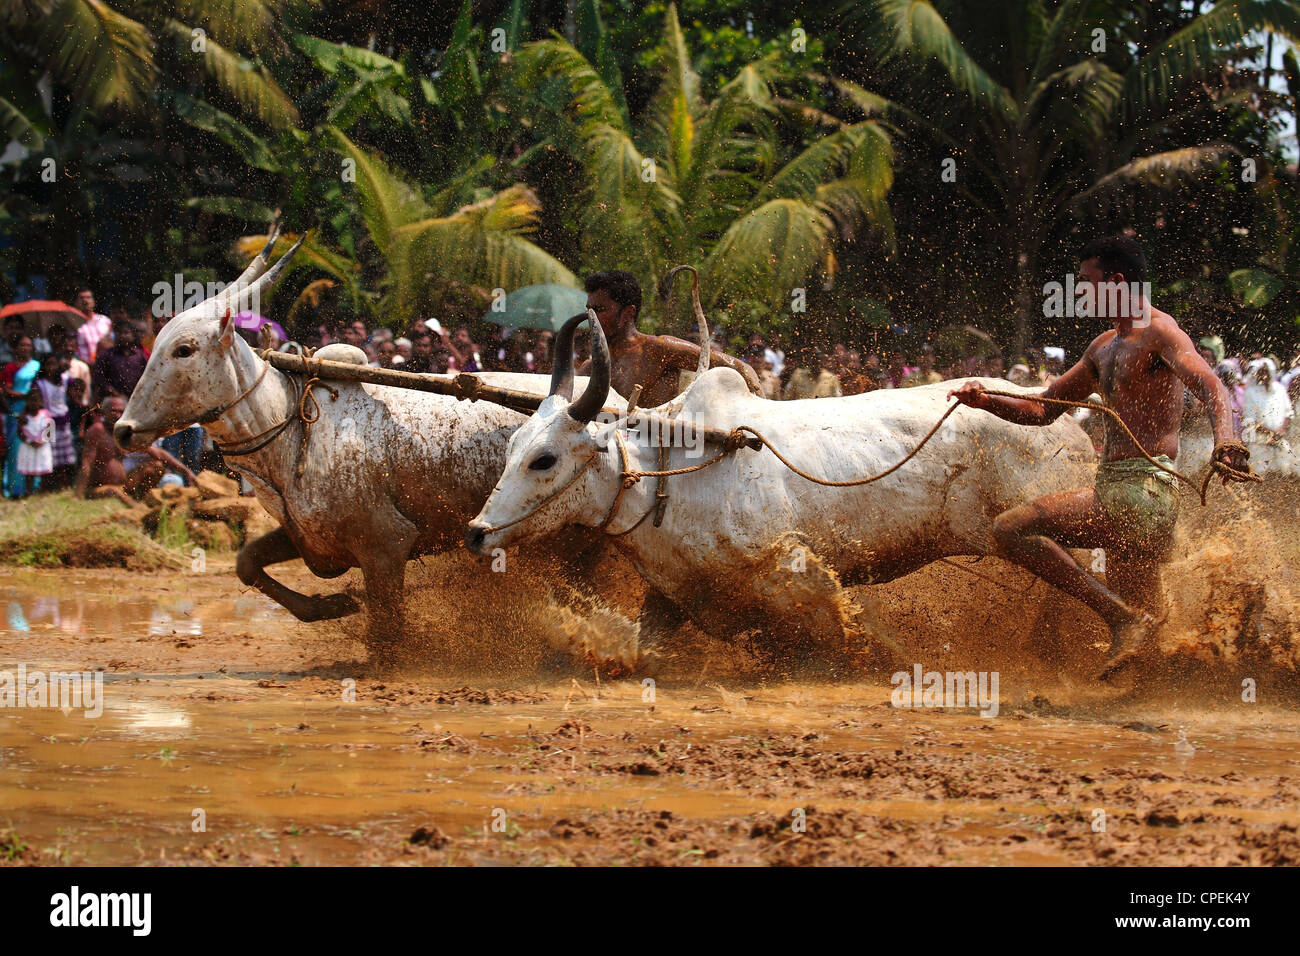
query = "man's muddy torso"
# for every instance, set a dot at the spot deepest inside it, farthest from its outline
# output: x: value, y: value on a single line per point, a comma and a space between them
x: 1138, y: 384
x: 638, y: 361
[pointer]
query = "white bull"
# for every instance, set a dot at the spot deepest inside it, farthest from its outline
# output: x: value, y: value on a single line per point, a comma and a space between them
x: 747, y: 543
x: 386, y: 474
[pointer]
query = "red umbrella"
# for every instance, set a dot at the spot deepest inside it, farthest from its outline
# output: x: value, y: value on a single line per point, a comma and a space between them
x: 44, y: 313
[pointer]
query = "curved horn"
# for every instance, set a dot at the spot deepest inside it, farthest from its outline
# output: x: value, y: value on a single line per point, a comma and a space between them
x: 218, y: 303
x: 665, y: 289
x: 592, y: 400
x: 256, y: 266
x: 267, y: 279
x: 562, y: 361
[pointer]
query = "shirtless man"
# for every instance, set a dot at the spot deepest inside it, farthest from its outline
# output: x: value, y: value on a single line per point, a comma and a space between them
x: 1139, y: 368
x: 103, y: 473
x: 651, y: 361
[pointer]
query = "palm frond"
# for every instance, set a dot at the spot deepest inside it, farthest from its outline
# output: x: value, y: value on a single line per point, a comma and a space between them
x: 1165, y: 170
x: 671, y: 117
x: 917, y: 29
x: 1206, y: 41
x: 235, y: 206
x: 1063, y: 26
x: 481, y: 244
x: 253, y: 149
x: 247, y: 83
x: 16, y: 125
x: 1080, y: 98
x: 829, y: 157
x: 331, y: 57
x: 386, y: 201
x: 591, y: 98
x: 105, y: 57
x: 250, y: 23
x: 768, y: 252
x: 309, y: 298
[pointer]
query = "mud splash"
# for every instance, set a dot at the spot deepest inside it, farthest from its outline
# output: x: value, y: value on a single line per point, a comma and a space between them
x: 233, y: 734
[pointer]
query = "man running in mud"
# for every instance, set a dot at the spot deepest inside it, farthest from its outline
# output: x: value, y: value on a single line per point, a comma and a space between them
x: 651, y: 361
x: 1139, y: 368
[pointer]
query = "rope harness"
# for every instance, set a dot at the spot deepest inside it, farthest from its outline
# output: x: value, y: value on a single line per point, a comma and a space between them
x: 736, y: 440
x: 307, y: 410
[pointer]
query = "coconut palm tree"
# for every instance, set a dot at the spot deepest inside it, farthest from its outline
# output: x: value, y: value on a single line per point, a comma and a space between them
x: 1058, y: 100
x: 414, y: 240
x: 88, y: 88
x: 704, y: 179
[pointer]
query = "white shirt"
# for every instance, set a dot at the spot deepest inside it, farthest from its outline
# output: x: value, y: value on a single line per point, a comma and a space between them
x: 95, y: 328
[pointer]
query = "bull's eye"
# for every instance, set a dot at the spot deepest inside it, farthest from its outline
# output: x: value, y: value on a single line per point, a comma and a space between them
x: 183, y: 351
x: 542, y: 462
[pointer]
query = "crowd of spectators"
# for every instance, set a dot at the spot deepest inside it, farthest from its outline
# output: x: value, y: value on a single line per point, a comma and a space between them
x: 62, y: 392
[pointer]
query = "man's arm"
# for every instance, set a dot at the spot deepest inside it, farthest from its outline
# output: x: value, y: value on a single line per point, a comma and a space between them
x: 1075, y: 385
x: 166, y: 457
x: 1177, y: 351
x: 680, y: 354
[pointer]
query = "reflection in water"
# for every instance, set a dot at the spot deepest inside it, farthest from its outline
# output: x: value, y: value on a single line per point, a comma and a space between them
x: 174, y: 617
x: 158, y: 614
x: 143, y: 714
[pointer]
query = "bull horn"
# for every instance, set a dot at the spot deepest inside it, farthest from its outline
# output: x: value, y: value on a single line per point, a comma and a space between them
x: 256, y: 266
x: 592, y: 400
x: 267, y: 279
x: 665, y: 289
x: 562, y: 361
x: 217, y: 304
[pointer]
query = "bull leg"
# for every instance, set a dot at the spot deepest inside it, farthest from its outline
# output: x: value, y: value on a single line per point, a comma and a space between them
x: 276, y: 547
x: 660, y: 618
x: 385, y: 576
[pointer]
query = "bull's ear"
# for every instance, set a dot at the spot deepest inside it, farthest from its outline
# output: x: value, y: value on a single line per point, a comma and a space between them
x: 227, y: 329
x: 604, y: 433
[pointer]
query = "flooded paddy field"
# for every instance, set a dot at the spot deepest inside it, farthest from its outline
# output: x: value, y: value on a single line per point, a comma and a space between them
x: 232, y: 734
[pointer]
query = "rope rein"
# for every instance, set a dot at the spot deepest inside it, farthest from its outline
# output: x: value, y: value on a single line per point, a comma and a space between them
x: 736, y: 440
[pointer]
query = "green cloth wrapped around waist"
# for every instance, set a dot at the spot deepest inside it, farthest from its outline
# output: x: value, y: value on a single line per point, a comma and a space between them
x: 1140, y: 499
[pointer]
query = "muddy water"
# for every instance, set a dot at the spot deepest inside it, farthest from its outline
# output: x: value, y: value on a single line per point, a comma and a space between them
x: 231, y: 733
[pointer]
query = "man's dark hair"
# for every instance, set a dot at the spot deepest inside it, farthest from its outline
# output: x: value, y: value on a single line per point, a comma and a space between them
x: 415, y: 335
x: 621, y: 286
x: 1117, y: 254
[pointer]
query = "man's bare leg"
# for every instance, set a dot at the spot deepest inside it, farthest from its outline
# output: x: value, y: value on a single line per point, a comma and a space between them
x: 1035, y: 536
x: 1136, y: 579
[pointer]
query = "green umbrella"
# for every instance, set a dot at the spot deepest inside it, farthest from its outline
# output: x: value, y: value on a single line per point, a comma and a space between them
x: 538, y: 307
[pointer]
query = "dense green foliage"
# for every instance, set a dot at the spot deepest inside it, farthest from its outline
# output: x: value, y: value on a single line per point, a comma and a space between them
x: 439, y: 152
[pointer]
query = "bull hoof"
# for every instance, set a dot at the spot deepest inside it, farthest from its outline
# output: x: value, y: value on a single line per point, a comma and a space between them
x: 327, y: 607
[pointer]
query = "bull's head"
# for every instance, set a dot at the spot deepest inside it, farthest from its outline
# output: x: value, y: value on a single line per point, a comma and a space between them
x: 549, y: 458
x: 199, y: 365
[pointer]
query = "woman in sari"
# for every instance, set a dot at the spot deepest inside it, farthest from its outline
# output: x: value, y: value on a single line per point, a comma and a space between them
x: 18, y: 378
